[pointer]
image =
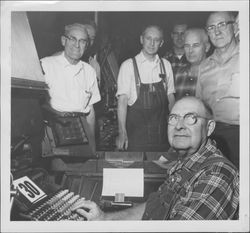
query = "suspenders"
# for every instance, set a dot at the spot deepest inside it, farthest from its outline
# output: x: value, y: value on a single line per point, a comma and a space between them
x: 137, y: 75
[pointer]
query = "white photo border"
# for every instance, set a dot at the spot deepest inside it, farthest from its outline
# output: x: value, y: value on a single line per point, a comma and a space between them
x: 241, y: 225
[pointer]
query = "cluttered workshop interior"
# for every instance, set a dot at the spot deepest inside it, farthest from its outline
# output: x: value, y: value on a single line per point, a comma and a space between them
x: 54, y: 163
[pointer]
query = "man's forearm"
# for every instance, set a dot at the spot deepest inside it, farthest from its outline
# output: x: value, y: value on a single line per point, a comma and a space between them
x: 122, y: 113
x: 134, y: 213
x: 91, y: 121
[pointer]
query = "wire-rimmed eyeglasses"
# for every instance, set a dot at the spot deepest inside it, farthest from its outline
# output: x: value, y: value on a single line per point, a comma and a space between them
x: 221, y: 26
x: 188, y: 119
x: 74, y: 41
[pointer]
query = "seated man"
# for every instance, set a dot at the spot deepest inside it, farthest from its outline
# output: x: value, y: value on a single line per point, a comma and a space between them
x: 202, y: 185
x: 72, y: 83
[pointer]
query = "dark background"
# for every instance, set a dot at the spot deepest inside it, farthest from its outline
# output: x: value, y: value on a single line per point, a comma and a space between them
x: 121, y: 29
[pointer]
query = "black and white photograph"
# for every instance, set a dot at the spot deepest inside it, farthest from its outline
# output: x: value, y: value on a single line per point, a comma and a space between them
x: 125, y: 116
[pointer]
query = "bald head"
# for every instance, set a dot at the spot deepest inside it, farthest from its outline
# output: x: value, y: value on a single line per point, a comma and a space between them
x: 203, y: 107
x: 190, y: 123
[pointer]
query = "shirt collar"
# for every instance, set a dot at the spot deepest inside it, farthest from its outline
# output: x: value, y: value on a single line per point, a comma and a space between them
x: 198, y: 157
x: 75, y: 69
x: 66, y: 63
x: 229, y: 54
x: 141, y: 58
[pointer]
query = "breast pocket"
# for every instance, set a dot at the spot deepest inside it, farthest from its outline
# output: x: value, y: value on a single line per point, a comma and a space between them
x: 229, y: 88
x: 234, y: 88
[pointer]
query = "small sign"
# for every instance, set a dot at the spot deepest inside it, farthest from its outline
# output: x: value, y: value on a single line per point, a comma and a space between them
x: 29, y: 189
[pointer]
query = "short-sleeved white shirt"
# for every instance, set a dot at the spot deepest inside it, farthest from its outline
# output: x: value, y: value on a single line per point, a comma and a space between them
x: 70, y: 85
x: 149, y: 73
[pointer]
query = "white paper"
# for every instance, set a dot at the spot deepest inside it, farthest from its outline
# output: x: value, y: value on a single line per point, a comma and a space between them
x: 129, y: 181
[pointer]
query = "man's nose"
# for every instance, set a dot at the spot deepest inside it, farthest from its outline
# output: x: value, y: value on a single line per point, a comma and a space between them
x: 77, y: 43
x: 180, y: 124
x: 217, y: 31
x: 190, y: 49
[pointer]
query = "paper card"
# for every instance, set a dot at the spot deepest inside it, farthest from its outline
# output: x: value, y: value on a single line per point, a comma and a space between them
x: 29, y: 189
x: 129, y: 181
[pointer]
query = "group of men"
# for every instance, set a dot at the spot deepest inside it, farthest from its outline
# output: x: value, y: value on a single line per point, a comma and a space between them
x: 158, y: 109
x: 143, y: 105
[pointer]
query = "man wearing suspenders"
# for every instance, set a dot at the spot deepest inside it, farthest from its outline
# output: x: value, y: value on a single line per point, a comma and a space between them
x: 145, y: 95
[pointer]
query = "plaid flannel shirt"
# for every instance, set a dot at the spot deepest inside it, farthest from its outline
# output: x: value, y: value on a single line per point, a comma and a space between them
x: 185, y: 84
x: 213, y: 193
x: 176, y: 63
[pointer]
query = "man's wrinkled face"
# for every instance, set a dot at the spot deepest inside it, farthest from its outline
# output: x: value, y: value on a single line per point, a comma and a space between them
x: 75, y: 43
x: 195, y: 48
x: 151, y: 40
x: 222, y: 31
x: 185, y: 137
x: 177, y: 35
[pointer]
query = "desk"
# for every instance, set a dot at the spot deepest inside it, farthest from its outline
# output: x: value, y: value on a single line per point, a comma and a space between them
x: 86, y: 179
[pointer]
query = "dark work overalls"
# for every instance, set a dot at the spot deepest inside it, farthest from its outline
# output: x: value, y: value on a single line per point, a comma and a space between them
x: 147, y: 117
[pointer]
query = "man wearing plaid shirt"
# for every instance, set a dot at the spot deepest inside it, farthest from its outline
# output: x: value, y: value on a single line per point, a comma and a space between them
x: 202, y: 185
x: 196, y: 45
x: 176, y: 56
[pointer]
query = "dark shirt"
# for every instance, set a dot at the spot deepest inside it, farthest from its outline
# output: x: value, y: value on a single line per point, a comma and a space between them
x: 176, y: 63
x: 185, y: 83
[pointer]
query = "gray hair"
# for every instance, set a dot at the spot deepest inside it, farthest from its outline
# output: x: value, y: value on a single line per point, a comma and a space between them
x: 202, y: 32
x: 78, y: 26
x: 229, y: 13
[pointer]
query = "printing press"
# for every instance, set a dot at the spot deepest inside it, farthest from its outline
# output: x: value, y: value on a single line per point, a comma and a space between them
x: 53, y: 164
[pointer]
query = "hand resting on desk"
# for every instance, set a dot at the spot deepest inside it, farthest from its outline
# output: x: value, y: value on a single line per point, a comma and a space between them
x: 91, y: 211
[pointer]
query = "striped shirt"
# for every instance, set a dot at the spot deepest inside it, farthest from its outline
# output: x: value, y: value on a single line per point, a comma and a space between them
x: 185, y: 83
x: 176, y: 62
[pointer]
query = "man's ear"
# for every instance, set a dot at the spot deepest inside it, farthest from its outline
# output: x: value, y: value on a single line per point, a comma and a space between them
x: 63, y: 40
x: 141, y: 39
x: 210, y: 127
x: 208, y: 45
x: 236, y: 28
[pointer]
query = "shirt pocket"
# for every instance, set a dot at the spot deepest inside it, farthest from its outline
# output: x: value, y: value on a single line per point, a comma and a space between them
x: 229, y: 88
x: 234, y: 88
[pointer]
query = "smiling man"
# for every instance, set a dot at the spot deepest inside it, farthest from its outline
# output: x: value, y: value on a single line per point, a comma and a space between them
x: 72, y: 83
x: 203, y: 184
x: 145, y: 90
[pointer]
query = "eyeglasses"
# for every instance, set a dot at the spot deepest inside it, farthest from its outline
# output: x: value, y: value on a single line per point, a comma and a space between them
x: 188, y: 119
x: 221, y: 26
x: 74, y: 41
